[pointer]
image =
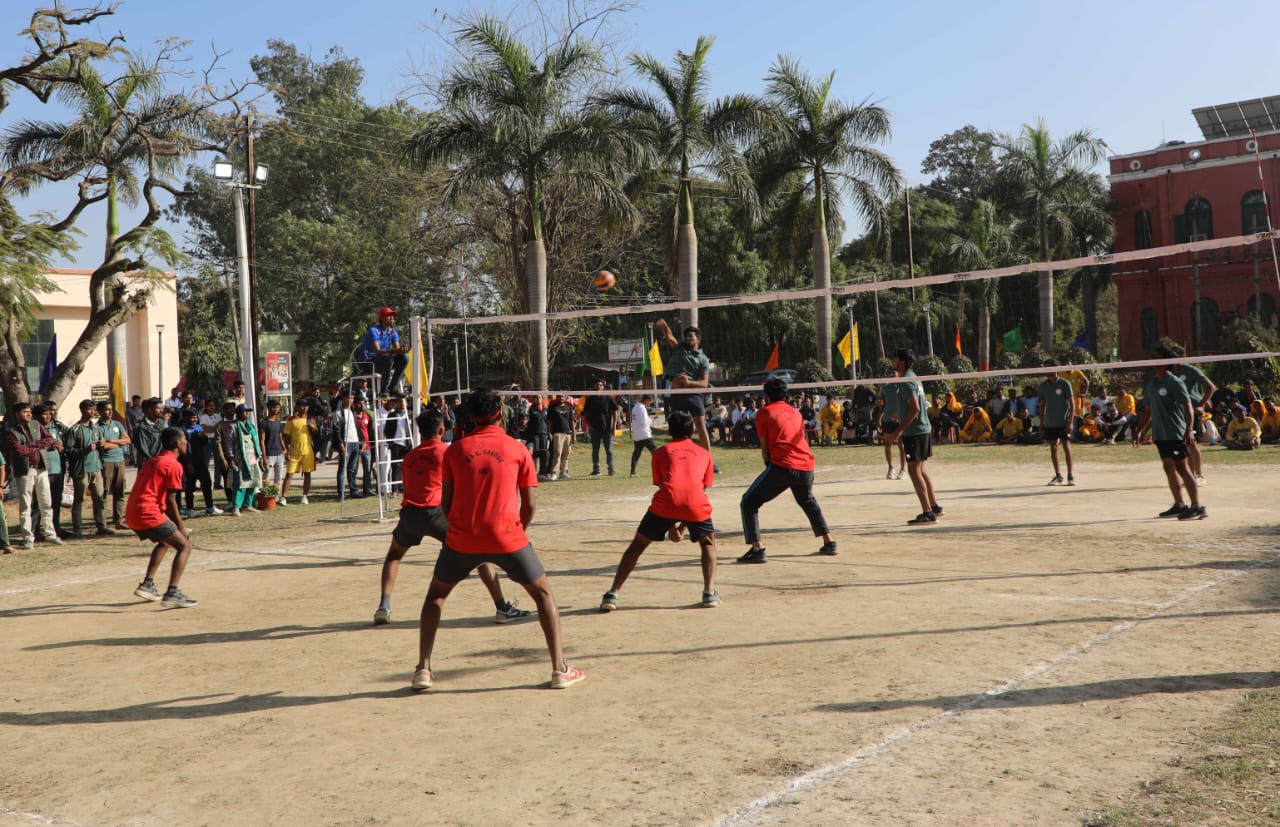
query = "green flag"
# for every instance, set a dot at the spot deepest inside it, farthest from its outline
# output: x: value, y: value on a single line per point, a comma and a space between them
x: 1013, y: 340
x: 643, y: 364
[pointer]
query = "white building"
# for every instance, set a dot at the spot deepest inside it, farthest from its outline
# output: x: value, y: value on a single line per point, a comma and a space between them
x: 150, y: 337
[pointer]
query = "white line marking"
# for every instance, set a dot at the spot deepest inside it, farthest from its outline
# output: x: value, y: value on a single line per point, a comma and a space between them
x: 39, y: 818
x: 746, y: 814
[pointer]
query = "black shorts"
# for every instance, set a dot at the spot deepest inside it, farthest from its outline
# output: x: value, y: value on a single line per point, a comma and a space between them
x: 1171, y: 448
x: 655, y: 527
x: 690, y: 403
x: 522, y: 565
x: 917, y: 448
x: 417, y: 522
x: 159, y: 533
x: 1052, y: 435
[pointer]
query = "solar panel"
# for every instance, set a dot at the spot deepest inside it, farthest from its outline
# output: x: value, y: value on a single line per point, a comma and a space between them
x: 1229, y: 120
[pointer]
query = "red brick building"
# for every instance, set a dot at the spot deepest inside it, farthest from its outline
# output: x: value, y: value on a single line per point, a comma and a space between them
x: 1182, y: 192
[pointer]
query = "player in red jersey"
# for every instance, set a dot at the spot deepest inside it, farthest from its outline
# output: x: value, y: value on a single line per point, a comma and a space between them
x: 682, y: 470
x: 788, y: 463
x: 488, y: 493
x: 152, y: 512
x: 421, y: 516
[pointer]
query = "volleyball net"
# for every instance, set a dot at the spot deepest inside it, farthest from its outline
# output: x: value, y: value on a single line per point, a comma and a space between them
x: 745, y: 336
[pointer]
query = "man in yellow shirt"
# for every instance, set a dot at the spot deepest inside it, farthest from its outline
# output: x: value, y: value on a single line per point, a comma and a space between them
x: 1009, y: 428
x: 1243, y: 432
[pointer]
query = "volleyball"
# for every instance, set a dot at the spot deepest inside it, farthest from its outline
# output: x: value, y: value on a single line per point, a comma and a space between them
x: 605, y: 281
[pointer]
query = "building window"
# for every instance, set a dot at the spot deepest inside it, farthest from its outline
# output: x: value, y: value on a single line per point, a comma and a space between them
x: 1253, y: 212
x: 1199, y: 217
x: 1142, y: 230
x: 1206, y: 325
x: 1268, y: 315
x: 1150, y: 328
x: 34, y: 351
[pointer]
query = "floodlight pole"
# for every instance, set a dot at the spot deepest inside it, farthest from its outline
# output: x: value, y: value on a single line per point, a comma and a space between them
x: 248, y: 370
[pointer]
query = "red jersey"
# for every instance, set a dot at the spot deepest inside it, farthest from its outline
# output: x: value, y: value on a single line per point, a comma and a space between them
x: 682, y: 470
x: 422, y: 472
x: 781, y: 431
x: 487, y: 470
x: 150, y: 495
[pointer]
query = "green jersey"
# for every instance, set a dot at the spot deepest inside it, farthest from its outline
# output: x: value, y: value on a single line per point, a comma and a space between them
x: 80, y: 460
x: 692, y: 363
x: 1167, y: 399
x: 896, y: 405
x: 1055, y: 403
x: 112, y: 430
x: 1195, y: 380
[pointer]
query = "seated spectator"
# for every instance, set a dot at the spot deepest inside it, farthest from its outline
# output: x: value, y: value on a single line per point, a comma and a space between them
x: 1243, y: 433
x: 977, y: 428
x: 949, y: 417
x: 744, y: 433
x: 382, y: 348
x: 1031, y: 434
x: 718, y: 420
x: 1209, y: 433
x: 1270, y: 424
x: 1247, y: 394
x: 997, y: 404
x: 1009, y: 427
x: 1113, y: 424
x: 832, y: 419
x: 1090, y: 429
x: 810, y: 417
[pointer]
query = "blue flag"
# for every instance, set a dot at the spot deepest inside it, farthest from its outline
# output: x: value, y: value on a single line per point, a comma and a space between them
x: 1082, y: 341
x: 50, y: 364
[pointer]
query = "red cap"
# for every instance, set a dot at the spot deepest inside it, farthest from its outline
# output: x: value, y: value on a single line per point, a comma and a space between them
x: 386, y: 311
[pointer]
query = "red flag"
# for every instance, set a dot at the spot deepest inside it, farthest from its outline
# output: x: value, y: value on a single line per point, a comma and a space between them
x: 772, y: 364
x: 959, y: 350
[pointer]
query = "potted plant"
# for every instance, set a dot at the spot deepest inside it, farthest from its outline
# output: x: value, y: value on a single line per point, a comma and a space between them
x: 267, y: 495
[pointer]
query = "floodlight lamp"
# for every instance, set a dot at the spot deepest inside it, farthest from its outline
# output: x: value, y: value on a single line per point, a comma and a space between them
x: 159, y: 328
x: 260, y: 174
x: 1194, y: 155
x: 222, y: 170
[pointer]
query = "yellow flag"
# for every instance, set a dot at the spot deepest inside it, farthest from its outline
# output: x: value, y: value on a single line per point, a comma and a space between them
x: 857, y: 351
x: 655, y: 360
x: 421, y: 378
x: 117, y: 390
x: 844, y: 348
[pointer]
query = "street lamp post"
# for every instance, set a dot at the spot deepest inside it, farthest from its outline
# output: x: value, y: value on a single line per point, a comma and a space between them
x: 928, y: 327
x: 160, y: 358
x: 224, y: 172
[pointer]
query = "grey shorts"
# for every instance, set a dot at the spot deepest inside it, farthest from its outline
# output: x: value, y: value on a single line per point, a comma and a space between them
x: 690, y: 403
x: 159, y: 533
x: 522, y: 565
x: 416, y: 523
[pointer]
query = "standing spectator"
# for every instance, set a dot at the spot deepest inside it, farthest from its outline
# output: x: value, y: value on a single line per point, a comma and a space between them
x: 28, y: 440
x: 788, y: 464
x: 271, y: 436
x: 146, y: 435
x: 5, y: 546
x: 318, y: 415
x: 1056, y: 407
x: 299, y: 450
x: 84, y: 466
x: 209, y: 419
x: 174, y: 402
x: 642, y: 431
x: 133, y: 417
x: 395, y: 433
x: 560, y: 419
x: 195, y: 464
x: 246, y: 472
x: 237, y: 393
x: 224, y: 450
x: 354, y: 450
x: 381, y: 347
x: 47, y: 413
x: 601, y: 416
x: 111, y: 452
x: 537, y: 434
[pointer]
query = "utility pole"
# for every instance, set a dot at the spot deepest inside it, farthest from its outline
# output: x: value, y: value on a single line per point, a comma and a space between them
x: 253, y: 248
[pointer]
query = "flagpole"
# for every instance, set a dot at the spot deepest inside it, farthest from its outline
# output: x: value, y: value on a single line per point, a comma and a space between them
x: 853, y: 363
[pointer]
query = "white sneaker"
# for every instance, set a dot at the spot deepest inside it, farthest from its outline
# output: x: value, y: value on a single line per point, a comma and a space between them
x: 901, y: 471
x: 889, y: 474
x: 303, y: 500
x: 282, y: 502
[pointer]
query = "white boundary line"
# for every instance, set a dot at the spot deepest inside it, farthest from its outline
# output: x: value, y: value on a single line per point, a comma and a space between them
x: 39, y: 818
x: 746, y: 814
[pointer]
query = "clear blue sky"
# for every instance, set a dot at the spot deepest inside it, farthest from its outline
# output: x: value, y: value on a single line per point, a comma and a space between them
x: 1131, y: 70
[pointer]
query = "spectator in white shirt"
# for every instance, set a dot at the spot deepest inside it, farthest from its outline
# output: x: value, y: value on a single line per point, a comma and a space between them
x: 641, y: 431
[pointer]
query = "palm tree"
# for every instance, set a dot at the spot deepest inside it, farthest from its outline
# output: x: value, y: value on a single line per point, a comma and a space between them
x: 686, y: 133
x: 1094, y: 231
x: 126, y: 132
x: 508, y: 120
x: 816, y: 149
x: 985, y: 241
x: 1048, y: 178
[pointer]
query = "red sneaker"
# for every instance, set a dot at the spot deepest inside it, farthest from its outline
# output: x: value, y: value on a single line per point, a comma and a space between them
x: 567, y: 678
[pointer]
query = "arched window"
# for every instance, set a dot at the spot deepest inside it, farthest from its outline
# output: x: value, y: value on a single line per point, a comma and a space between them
x: 1205, y: 325
x: 1150, y: 328
x: 1142, y: 230
x: 1268, y: 315
x: 1199, y: 217
x: 1253, y: 212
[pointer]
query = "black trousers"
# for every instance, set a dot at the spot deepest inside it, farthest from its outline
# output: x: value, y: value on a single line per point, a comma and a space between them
x: 773, y: 481
x: 641, y: 446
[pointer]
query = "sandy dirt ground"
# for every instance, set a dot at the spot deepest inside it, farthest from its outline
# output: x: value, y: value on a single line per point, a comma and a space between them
x: 1033, y: 656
